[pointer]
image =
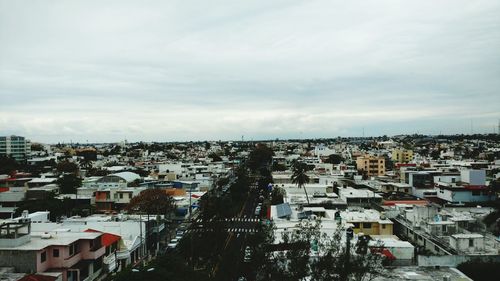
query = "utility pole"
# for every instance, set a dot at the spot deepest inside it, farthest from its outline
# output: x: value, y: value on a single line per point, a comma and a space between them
x: 348, y: 236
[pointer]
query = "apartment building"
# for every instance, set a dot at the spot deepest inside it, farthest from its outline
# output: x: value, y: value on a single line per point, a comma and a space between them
x: 402, y: 155
x: 371, y: 165
x: 15, y: 146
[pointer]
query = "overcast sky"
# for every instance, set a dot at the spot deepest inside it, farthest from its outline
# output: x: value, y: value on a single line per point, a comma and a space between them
x: 196, y: 70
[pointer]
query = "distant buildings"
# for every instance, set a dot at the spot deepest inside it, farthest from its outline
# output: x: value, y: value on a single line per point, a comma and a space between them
x: 15, y: 146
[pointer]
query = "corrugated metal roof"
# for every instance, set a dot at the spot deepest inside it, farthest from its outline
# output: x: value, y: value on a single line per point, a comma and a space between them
x: 283, y: 210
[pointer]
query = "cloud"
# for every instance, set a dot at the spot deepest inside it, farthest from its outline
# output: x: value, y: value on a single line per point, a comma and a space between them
x: 180, y: 70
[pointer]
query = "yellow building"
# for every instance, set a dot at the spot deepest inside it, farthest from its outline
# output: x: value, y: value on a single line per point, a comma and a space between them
x: 368, y: 222
x: 402, y: 155
x: 371, y: 165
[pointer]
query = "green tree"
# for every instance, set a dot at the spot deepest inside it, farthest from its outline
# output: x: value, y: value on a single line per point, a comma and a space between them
x: 260, y: 156
x: 215, y: 157
x: 277, y: 195
x: 334, y: 159
x: 68, y: 183
x: 293, y: 259
x: 277, y: 167
x: 49, y: 203
x: 300, y: 177
x: 66, y: 166
x: 8, y: 165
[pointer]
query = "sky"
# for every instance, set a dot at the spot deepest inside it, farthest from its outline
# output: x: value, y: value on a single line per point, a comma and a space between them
x: 106, y: 71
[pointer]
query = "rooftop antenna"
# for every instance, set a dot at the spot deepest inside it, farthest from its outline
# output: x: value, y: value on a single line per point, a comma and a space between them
x: 363, y: 132
x: 471, y: 127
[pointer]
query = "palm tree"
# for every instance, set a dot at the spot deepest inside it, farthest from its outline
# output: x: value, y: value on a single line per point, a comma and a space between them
x: 300, y: 177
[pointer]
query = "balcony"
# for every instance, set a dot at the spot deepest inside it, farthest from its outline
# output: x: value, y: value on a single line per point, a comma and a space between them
x: 93, y: 255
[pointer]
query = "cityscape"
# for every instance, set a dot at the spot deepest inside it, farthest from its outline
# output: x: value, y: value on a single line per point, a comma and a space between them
x: 228, y: 140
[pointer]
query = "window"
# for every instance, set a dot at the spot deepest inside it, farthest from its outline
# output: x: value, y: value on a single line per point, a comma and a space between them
x: 476, y: 193
x: 74, y: 248
x: 356, y: 224
x: 43, y: 257
x: 383, y: 226
x: 367, y: 225
x: 121, y: 195
x: 55, y: 253
x: 471, y: 242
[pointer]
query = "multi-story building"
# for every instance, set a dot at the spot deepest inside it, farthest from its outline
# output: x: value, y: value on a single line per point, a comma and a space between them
x: 402, y: 155
x: 371, y: 165
x: 76, y: 255
x: 15, y: 146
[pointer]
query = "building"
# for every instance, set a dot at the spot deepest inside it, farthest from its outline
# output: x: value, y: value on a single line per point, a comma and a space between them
x: 76, y: 255
x: 368, y: 222
x: 15, y: 146
x: 371, y: 165
x: 359, y: 197
x: 469, y: 187
x: 402, y: 155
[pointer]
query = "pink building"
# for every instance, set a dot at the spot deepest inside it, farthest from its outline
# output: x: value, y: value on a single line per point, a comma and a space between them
x: 77, y: 255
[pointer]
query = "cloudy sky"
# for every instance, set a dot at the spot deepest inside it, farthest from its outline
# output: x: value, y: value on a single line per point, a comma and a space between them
x: 196, y: 70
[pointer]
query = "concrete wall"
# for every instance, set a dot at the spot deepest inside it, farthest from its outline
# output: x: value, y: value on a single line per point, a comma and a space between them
x: 462, y: 244
x: 22, y: 261
x: 474, y: 177
x: 452, y: 261
x: 463, y: 196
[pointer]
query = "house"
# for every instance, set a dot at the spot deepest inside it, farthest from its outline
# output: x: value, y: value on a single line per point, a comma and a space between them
x: 472, y: 243
x: 359, y: 197
x: 76, y: 255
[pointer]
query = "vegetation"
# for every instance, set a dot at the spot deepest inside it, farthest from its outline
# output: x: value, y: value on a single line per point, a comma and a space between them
x: 151, y: 201
x: 334, y: 159
x: 260, y: 157
x: 68, y: 183
x: 67, y: 167
x: 480, y: 271
x: 293, y: 258
x: 56, y: 207
x: 8, y: 165
x: 164, y: 268
x: 299, y: 176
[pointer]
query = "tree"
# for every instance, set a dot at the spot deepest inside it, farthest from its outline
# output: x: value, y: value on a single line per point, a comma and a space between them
x: 259, y: 157
x: 278, y: 167
x: 299, y: 176
x: 67, y: 167
x: 151, y: 201
x: 51, y: 204
x: 277, y: 195
x: 306, y: 252
x: 334, y: 159
x: 68, y: 183
x: 8, y: 165
x: 215, y: 157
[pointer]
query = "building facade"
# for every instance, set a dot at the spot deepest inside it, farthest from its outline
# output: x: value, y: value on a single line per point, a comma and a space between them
x: 402, y: 155
x: 371, y: 165
x: 15, y: 146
